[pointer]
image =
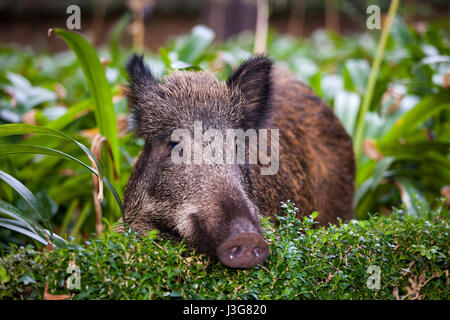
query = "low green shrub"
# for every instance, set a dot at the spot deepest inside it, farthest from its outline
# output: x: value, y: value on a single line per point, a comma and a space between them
x: 410, y: 253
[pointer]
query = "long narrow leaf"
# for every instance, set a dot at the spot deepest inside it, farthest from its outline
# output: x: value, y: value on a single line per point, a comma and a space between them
x: 367, y: 99
x: 14, y: 149
x: 27, y: 195
x: 12, y: 225
x: 98, y: 86
x: 35, y: 205
x: 19, y: 215
x: 21, y: 227
x: 21, y: 128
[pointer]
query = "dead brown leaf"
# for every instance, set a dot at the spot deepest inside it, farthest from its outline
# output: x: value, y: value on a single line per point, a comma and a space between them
x: 370, y: 150
x: 48, y: 296
x: 446, y: 82
x: 30, y: 117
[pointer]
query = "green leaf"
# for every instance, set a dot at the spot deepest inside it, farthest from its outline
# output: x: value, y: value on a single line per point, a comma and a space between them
x: 17, y: 129
x: 4, y: 277
x: 27, y: 195
x: 70, y: 115
x: 19, y: 215
x: 27, y: 95
x: 407, y: 123
x: 99, y: 87
x: 358, y: 71
x: 196, y: 44
x: 14, y: 149
x: 22, y: 223
x: 17, y: 148
x: 380, y: 169
x: 410, y: 195
x: 346, y: 106
x: 115, y: 34
x: 164, y: 55
x: 19, y: 227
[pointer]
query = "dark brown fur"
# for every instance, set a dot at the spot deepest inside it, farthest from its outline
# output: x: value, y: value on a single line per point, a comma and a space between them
x: 208, y: 204
x: 317, y: 166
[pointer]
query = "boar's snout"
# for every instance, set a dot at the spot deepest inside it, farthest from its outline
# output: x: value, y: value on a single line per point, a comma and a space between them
x: 243, y: 250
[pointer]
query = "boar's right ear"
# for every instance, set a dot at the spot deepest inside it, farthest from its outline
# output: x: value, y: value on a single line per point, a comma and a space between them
x: 252, y: 79
x: 141, y: 84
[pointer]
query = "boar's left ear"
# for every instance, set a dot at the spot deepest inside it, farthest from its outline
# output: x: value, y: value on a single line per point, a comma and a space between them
x: 252, y: 78
x: 141, y: 84
x: 138, y: 71
x: 141, y: 78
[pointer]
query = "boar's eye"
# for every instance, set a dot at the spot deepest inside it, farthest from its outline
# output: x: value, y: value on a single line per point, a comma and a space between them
x: 173, y: 144
x: 176, y: 147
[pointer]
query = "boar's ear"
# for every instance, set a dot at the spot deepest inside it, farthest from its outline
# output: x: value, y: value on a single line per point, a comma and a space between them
x: 141, y: 84
x: 252, y: 78
x: 141, y: 78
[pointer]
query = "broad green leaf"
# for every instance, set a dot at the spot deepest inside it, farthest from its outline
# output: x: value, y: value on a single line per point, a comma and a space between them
x: 165, y: 57
x: 410, y: 195
x: 70, y: 115
x: 380, y: 169
x: 346, y: 106
x: 376, y: 175
x: 401, y: 34
x: 407, y: 123
x: 330, y: 86
x: 196, y: 44
x: 363, y: 189
x: 358, y: 71
x: 27, y: 95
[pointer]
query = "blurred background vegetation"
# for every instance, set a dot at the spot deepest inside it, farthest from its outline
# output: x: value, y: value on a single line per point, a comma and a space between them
x: 58, y: 85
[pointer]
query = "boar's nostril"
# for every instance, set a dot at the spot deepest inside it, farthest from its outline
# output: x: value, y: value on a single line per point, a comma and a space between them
x: 244, y: 250
x: 257, y: 252
x: 234, y: 252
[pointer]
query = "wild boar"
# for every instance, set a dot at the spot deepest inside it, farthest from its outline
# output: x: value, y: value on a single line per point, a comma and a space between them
x: 215, y: 206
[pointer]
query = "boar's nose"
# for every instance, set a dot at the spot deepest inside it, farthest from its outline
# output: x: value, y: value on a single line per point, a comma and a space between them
x: 244, y: 250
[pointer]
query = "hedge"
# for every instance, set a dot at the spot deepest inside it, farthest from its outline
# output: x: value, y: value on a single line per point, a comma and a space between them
x: 410, y: 255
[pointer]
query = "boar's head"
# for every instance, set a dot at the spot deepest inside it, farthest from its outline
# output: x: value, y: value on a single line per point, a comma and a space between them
x: 208, y: 204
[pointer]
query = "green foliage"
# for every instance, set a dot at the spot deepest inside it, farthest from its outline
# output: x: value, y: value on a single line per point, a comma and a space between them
x: 101, y: 95
x: 22, y: 222
x: 367, y: 98
x: 407, y: 118
x: 98, y: 86
x: 29, y: 223
x: 305, y: 263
